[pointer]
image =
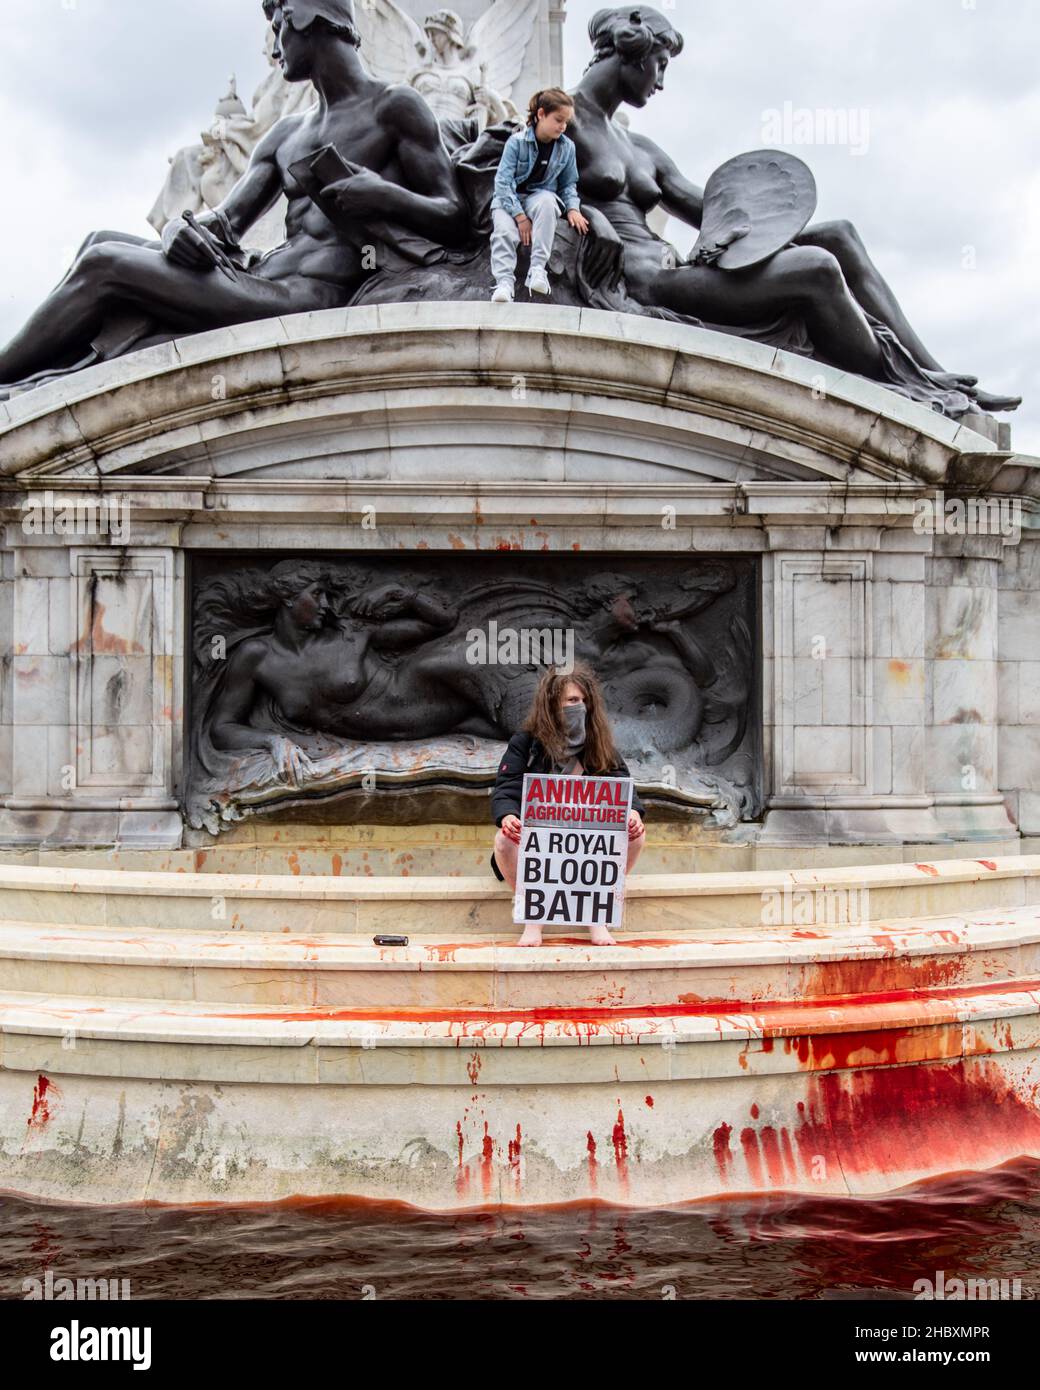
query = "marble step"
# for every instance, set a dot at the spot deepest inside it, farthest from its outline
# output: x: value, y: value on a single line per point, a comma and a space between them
x: 656, y: 904
x: 460, y: 851
x: 106, y: 1100
x: 695, y: 968
x: 169, y: 1039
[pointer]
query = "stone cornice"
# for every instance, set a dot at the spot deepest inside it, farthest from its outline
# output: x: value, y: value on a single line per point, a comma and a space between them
x: 488, y: 515
x: 362, y: 376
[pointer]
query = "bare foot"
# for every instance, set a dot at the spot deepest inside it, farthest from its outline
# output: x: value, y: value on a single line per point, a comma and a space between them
x: 532, y: 936
x: 986, y: 400
x: 599, y: 936
x: 954, y: 381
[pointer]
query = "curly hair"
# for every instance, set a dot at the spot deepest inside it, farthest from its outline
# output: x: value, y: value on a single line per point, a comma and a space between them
x: 249, y: 600
x: 289, y: 578
x: 632, y: 34
x: 600, y: 754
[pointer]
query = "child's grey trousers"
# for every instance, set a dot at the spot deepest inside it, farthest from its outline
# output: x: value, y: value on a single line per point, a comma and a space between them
x: 543, y: 208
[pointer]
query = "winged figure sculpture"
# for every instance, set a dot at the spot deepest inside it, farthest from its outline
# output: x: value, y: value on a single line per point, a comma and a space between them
x: 461, y: 75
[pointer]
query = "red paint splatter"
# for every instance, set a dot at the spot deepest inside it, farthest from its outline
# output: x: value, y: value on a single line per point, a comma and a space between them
x: 986, y: 863
x: 749, y: 1143
x: 895, y: 1026
x: 620, y: 1141
x: 886, y: 974
x: 770, y: 1142
x: 590, y: 1145
x: 928, y: 869
x: 45, y: 1093
x: 840, y: 1051
x: 902, y: 1120
x: 462, y: 1173
x: 473, y: 1067
x: 754, y: 1112
x: 788, y: 1153
x: 487, y: 1158
x: 777, y: 1016
x: 723, y: 1152
x: 514, y: 1162
x: 650, y: 1101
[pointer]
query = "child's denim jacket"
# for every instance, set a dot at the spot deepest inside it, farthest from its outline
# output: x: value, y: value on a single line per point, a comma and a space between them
x: 518, y: 159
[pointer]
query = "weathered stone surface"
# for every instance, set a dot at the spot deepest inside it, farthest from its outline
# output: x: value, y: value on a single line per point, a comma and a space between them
x: 543, y: 431
x: 193, y: 1060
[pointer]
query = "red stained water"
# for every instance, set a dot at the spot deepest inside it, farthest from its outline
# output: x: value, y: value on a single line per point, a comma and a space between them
x: 976, y: 1225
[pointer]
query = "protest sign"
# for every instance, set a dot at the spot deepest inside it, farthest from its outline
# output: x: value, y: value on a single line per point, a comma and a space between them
x: 573, y: 850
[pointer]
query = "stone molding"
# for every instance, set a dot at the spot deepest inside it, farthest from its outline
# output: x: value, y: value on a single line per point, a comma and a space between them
x: 379, y: 370
x: 494, y: 427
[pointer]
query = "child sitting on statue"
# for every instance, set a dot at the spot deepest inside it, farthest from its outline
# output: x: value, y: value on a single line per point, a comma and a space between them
x: 537, y: 179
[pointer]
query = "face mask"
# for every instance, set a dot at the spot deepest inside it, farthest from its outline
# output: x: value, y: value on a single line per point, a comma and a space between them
x: 574, y: 724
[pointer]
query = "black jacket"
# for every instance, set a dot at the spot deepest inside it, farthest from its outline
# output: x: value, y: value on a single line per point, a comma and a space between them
x: 525, y: 754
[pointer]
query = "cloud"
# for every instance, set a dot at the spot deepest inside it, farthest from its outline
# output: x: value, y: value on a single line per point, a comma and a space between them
x: 97, y: 95
x: 947, y: 194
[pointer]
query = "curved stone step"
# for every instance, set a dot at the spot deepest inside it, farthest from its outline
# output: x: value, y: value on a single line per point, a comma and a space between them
x: 742, y: 966
x: 656, y: 904
x: 105, y: 1100
x: 713, y: 1050
x: 101, y: 1036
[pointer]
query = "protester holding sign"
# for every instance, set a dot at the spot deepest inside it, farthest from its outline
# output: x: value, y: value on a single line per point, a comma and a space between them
x: 567, y: 731
x: 574, y: 847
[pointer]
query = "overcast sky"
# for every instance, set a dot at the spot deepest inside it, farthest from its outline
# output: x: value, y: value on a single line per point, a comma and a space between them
x: 941, y: 175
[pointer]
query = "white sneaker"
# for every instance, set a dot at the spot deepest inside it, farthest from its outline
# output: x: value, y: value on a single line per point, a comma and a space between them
x: 539, y: 283
x: 503, y: 294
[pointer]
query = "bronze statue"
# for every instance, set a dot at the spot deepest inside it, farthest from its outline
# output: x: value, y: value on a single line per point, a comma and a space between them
x: 313, y: 669
x: 398, y: 194
x: 379, y: 213
x: 826, y: 279
x: 333, y: 662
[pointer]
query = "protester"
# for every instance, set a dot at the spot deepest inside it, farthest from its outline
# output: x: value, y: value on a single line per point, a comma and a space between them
x: 567, y: 731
